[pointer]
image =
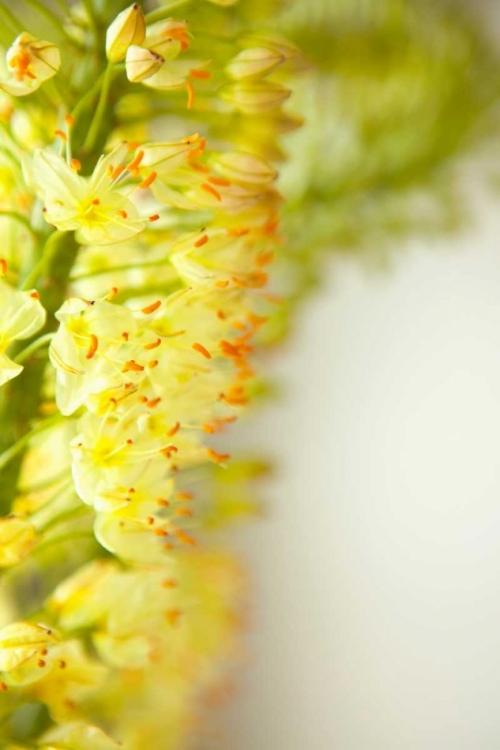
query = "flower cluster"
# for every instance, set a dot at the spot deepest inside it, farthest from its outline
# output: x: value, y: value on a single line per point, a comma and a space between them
x: 151, y: 258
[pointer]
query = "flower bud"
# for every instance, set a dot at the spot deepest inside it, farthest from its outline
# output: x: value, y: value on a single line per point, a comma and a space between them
x: 142, y: 63
x: 255, y: 62
x: 31, y: 62
x: 255, y: 97
x: 129, y: 27
x: 22, y: 646
x: 17, y: 538
x: 243, y: 168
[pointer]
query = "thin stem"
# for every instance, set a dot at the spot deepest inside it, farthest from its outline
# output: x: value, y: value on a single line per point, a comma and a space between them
x: 49, y: 250
x: 88, y: 97
x: 165, y: 12
x: 91, y: 17
x: 42, y: 9
x: 64, y: 538
x: 21, y: 444
x: 124, y: 267
x: 11, y: 19
x: 95, y: 125
x: 20, y: 219
x: 33, y: 347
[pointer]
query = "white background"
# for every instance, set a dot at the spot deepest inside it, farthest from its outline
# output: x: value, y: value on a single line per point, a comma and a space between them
x: 376, y: 615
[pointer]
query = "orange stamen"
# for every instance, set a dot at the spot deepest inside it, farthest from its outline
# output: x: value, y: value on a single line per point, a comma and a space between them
x: 216, y: 457
x: 151, y: 308
x: 154, y: 217
x: 76, y: 165
x: 153, y: 345
x: 122, y: 213
x: 117, y: 171
x: 4, y: 267
x: 132, y: 366
x: 209, y: 189
x: 201, y: 350
x: 190, y: 90
x: 93, y: 345
x: 197, y: 73
x: 148, y: 181
x: 174, y: 429
x: 134, y: 164
x: 61, y: 135
x: 202, y: 241
x: 69, y: 120
x: 219, y: 181
x: 34, y: 295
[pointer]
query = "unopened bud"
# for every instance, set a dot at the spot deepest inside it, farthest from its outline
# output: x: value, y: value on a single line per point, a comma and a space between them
x: 243, y: 168
x: 255, y: 62
x: 255, y: 97
x: 129, y: 27
x: 31, y: 62
x: 142, y: 63
x: 17, y: 538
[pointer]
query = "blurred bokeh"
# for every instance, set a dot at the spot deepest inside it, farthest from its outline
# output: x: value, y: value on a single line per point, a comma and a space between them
x: 375, y: 612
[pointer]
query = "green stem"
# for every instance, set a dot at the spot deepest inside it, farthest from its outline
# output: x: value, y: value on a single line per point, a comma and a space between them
x: 95, y: 125
x: 21, y: 444
x: 124, y: 267
x: 42, y: 9
x: 88, y: 97
x: 33, y: 347
x: 20, y: 219
x: 165, y: 12
x: 11, y: 19
x: 49, y: 250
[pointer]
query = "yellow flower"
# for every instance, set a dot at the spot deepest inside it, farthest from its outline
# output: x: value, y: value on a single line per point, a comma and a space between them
x: 31, y: 62
x: 21, y: 316
x: 93, y: 206
x: 129, y: 27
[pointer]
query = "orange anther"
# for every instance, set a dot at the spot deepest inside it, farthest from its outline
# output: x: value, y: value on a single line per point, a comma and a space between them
x: 4, y: 267
x: 197, y: 73
x: 221, y: 314
x: 154, y: 217
x: 69, y: 120
x: 161, y: 532
x: 112, y: 293
x: 134, y: 164
x: 62, y: 664
x: 172, y: 616
x: 174, y: 429
x: 152, y: 403
x: 209, y: 189
x: 151, y: 308
x: 60, y: 134
x: 148, y: 181
x: 169, y: 583
x: 152, y: 364
x: 40, y: 663
x: 201, y: 350
x: 238, y: 232
x: 122, y: 213
x: 183, y: 537
x: 75, y: 165
x: 3, y: 687
x: 153, y: 345
x: 162, y: 502
x: 216, y: 457
x: 201, y: 241
x: 184, y: 513
x: 219, y: 181
x: 185, y: 495
x: 96, y: 202
x: 221, y: 284
x: 116, y: 171
x: 34, y: 295
x: 93, y: 345
x: 125, y: 336
x: 208, y: 428
x: 190, y: 90
x: 132, y: 366
x: 265, y: 258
